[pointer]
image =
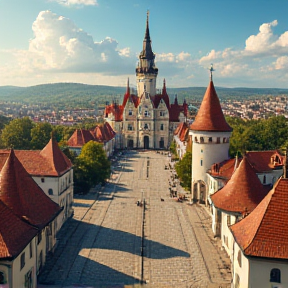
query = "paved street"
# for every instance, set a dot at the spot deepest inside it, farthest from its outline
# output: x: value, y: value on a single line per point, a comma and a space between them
x: 102, y: 246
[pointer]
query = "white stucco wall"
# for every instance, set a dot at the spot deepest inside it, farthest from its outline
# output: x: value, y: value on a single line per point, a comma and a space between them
x: 205, y: 154
x: 227, y: 238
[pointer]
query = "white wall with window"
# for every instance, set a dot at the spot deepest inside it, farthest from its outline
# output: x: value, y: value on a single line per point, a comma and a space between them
x: 20, y: 272
x: 258, y: 272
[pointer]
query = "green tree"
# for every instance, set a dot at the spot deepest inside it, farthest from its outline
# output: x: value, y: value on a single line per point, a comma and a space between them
x: 17, y: 134
x: 184, y: 170
x: 40, y: 135
x: 91, y: 167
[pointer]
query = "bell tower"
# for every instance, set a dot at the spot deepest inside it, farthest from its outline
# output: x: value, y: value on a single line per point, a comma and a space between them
x: 146, y: 72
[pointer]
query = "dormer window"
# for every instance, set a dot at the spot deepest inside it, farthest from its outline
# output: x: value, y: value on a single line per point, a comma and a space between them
x: 130, y: 113
x: 162, y: 113
x: 146, y: 113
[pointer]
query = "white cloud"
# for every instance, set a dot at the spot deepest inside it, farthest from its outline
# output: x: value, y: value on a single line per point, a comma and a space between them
x: 59, y: 45
x: 261, y: 41
x: 76, y: 2
x: 281, y: 63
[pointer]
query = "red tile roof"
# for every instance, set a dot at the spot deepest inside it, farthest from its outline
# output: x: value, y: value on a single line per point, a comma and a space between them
x: 224, y: 169
x: 15, y: 234
x: 182, y: 131
x: 210, y: 116
x: 50, y: 161
x: 58, y: 161
x: 23, y: 196
x: 264, y: 232
x: 263, y: 161
x: 242, y: 193
x: 80, y: 137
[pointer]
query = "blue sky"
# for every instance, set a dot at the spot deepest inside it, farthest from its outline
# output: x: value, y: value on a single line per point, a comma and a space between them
x: 98, y: 41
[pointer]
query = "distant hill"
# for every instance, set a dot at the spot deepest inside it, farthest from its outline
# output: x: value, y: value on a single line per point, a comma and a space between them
x: 82, y: 95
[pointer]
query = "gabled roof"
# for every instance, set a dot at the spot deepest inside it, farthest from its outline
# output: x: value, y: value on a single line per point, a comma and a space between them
x: 242, y: 193
x: 182, y: 131
x: 15, y: 234
x: 57, y: 159
x: 80, y: 137
x: 23, y: 196
x: 224, y: 169
x: 210, y: 116
x: 263, y: 161
x: 264, y: 232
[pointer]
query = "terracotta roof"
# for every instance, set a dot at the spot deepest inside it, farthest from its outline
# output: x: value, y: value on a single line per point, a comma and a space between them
x: 15, y: 234
x: 242, y: 193
x: 80, y: 137
x: 225, y: 168
x: 182, y: 131
x: 263, y: 161
x: 22, y: 195
x: 59, y: 162
x: 264, y: 232
x: 210, y: 116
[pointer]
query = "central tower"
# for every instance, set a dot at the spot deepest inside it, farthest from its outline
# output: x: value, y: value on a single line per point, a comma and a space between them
x: 146, y: 72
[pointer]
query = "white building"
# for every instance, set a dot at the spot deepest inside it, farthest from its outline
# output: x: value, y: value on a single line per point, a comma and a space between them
x: 210, y: 141
x: 235, y: 200
x: 146, y: 119
x: 260, y: 250
x: 27, y: 225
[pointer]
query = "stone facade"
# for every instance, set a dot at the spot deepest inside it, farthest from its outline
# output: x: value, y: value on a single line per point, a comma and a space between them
x: 145, y: 119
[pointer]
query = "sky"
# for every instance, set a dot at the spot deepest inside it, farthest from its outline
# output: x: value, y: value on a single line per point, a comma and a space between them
x: 99, y: 41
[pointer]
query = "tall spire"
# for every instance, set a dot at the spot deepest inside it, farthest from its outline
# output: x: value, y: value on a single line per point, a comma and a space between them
x: 147, y: 48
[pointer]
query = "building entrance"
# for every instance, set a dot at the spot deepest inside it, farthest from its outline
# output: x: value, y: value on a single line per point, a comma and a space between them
x: 146, y: 142
x: 130, y: 144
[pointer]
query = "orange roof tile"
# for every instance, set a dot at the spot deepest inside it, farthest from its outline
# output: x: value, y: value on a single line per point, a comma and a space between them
x: 242, y: 193
x: 58, y: 160
x: 80, y: 137
x: 210, y: 116
x: 263, y: 161
x: 15, y: 234
x: 264, y: 232
x: 22, y: 195
x: 224, y: 169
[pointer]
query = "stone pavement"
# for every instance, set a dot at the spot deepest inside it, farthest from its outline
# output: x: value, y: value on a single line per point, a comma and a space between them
x: 102, y: 246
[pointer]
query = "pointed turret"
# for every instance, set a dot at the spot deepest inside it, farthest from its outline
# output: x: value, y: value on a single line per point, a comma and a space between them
x: 23, y: 196
x: 146, y: 72
x: 58, y: 160
x: 147, y: 48
x: 242, y: 193
x: 264, y: 232
x: 210, y: 116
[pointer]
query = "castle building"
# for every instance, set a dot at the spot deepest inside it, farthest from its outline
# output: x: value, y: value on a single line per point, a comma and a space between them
x: 146, y: 119
x: 210, y: 141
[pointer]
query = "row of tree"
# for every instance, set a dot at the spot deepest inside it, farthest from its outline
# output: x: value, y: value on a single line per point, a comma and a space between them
x: 258, y: 135
x: 247, y: 135
x: 91, y: 167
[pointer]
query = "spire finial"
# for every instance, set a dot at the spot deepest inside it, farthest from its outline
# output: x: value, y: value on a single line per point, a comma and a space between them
x: 211, y: 72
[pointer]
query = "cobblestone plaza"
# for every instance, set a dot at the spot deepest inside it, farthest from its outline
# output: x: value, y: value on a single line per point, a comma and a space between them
x: 114, y: 242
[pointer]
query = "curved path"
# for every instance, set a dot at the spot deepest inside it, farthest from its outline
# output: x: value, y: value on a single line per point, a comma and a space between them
x: 113, y: 242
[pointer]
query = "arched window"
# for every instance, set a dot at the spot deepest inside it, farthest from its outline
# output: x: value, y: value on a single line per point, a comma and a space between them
x: 275, y: 275
x: 264, y: 179
x: 2, y: 278
x: 210, y: 139
x: 50, y: 191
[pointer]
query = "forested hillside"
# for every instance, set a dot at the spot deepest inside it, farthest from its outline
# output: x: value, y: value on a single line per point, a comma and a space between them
x: 82, y: 95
